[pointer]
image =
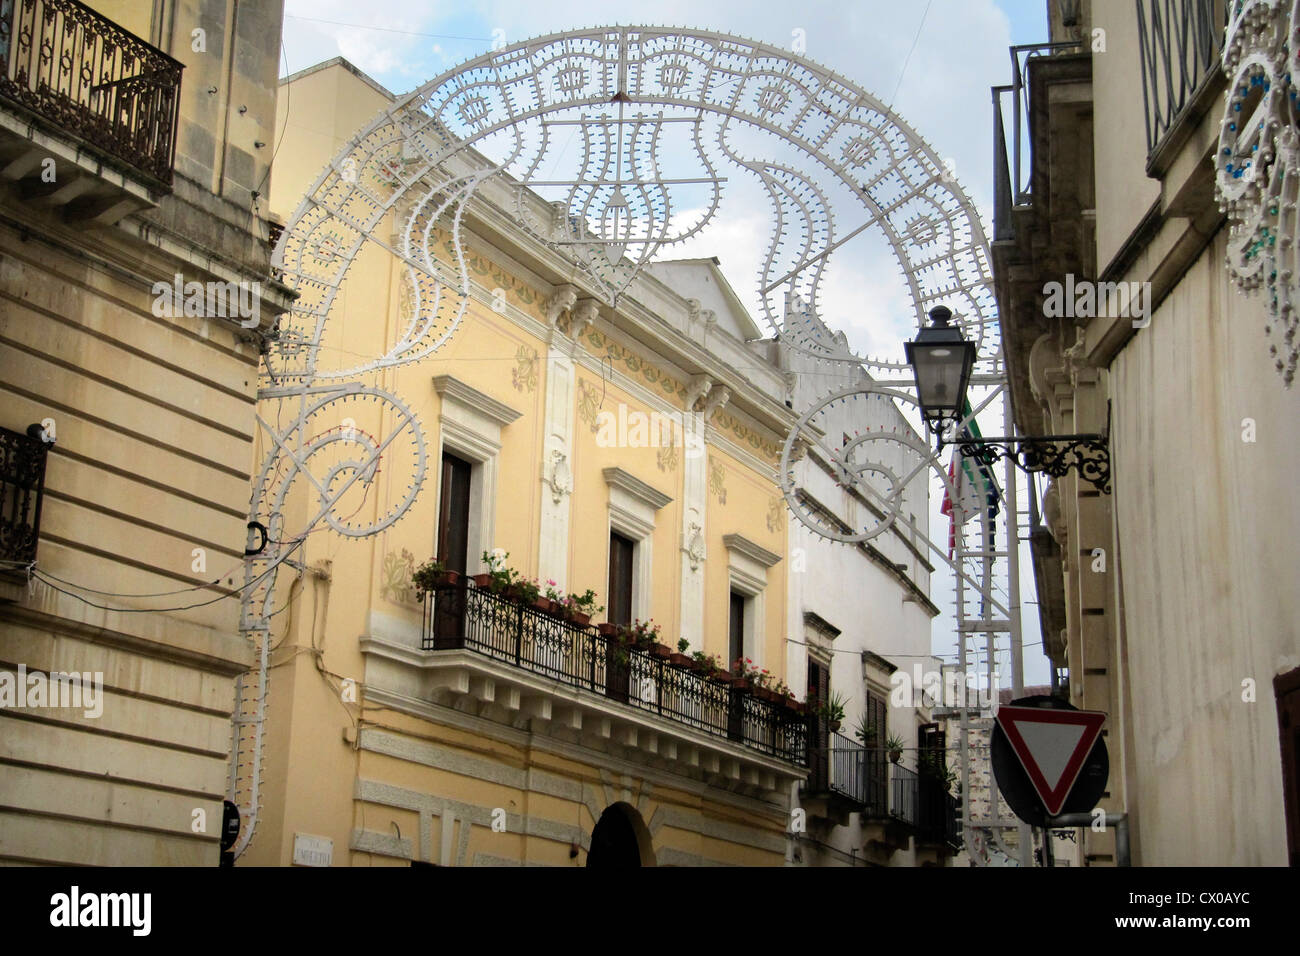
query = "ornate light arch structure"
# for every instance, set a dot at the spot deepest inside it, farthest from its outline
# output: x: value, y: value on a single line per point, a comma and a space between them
x: 661, y: 114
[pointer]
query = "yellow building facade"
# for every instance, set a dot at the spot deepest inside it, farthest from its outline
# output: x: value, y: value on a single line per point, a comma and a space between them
x: 579, y: 429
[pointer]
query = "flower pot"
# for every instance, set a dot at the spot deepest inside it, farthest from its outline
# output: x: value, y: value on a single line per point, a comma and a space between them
x: 577, y: 617
x: 681, y: 660
x: 543, y: 604
x: 661, y: 651
x: 895, y: 756
x: 482, y: 580
x: 606, y: 629
x: 834, y: 725
x: 740, y: 684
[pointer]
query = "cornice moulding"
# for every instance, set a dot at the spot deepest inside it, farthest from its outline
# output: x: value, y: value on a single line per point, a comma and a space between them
x: 634, y: 486
x: 448, y: 386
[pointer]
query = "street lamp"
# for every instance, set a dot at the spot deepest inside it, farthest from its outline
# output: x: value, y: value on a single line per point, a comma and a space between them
x: 941, y: 360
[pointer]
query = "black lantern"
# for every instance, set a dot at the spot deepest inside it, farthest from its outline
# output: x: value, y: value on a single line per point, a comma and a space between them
x: 942, y: 359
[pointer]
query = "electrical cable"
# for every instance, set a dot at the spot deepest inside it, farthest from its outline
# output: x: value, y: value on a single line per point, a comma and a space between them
x: 40, y: 575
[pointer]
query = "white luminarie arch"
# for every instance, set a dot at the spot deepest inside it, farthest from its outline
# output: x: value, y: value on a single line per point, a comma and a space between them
x: 662, y: 113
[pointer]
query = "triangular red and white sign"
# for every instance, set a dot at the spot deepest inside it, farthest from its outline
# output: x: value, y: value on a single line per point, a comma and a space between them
x: 1052, y: 746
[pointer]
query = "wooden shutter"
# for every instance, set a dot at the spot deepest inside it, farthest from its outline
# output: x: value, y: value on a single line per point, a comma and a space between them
x: 453, y: 517
x: 736, y: 645
x: 620, y: 579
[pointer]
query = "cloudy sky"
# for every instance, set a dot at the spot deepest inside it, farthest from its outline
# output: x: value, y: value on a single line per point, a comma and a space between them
x: 932, y: 61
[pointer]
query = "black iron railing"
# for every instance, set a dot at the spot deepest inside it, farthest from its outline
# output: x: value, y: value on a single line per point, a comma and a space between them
x: 858, y: 774
x: 936, y: 814
x: 1178, y: 48
x: 22, y: 490
x: 904, y: 795
x: 84, y: 74
x: 478, y: 619
x: 1013, y: 156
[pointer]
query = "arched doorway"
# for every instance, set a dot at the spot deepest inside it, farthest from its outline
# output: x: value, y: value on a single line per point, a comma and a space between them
x: 620, y: 839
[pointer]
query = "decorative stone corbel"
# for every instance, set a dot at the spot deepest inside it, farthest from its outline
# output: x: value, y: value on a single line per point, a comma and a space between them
x: 692, y: 311
x: 562, y: 300
x: 696, y: 389
x: 581, y: 316
x: 718, y: 397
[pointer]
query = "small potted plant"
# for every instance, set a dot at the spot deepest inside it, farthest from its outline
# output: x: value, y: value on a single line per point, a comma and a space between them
x: 432, y: 574
x: 528, y: 593
x: 555, y: 598
x: 681, y: 658
x: 832, y: 710
x: 785, y: 697
x: 499, y: 576
x: 580, y: 607
x: 644, y: 636
x: 894, y: 744
x: 741, y: 674
x: 709, y: 666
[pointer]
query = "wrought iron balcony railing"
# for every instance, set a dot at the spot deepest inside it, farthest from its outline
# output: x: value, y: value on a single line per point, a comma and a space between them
x: 480, y: 620
x: 937, y: 822
x: 1178, y: 47
x: 1013, y: 160
x: 858, y: 774
x: 85, y: 75
x: 22, y: 490
x: 904, y: 795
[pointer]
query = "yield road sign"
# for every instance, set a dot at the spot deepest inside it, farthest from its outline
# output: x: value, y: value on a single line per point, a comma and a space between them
x: 1052, y: 745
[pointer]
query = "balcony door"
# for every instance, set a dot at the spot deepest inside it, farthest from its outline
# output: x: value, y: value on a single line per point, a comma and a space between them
x: 876, y: 765
x: 621, y: 553
x: 736, y: 629
x: 452, y: 549
x: 453, y: 513
x: 819, y: 688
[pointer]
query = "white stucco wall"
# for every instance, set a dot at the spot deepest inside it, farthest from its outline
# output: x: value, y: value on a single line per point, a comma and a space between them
x: 1209, y: 558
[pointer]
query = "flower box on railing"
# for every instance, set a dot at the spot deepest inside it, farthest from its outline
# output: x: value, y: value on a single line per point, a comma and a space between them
x: 613, y: 662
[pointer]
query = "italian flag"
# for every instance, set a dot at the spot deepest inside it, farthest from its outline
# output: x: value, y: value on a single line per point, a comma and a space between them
x: 977, y: 491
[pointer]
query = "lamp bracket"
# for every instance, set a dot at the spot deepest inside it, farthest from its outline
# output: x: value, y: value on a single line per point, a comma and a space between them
x: 1054, y: 455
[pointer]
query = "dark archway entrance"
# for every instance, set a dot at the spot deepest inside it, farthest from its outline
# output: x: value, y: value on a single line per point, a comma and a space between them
x: 620, y: 839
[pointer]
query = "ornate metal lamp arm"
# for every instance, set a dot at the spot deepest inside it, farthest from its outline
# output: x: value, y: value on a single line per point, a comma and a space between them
x: 1055, y: 455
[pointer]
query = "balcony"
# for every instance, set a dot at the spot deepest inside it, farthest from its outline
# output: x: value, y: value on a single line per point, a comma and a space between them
x: 102, y: 104
x: 894, y: 804
x: 1179, y: 44
x: 22, y: 490
x: 487, y: 655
